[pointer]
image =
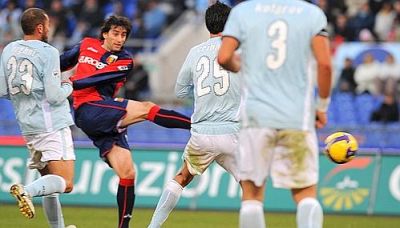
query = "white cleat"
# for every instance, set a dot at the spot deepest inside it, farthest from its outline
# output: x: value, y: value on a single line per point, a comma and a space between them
x: 24, y: 200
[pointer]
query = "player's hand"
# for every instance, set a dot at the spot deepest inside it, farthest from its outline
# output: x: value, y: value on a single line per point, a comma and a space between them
x: 321, y: 119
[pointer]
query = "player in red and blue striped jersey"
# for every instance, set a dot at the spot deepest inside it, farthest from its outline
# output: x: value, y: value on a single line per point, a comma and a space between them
x: 102, y: 68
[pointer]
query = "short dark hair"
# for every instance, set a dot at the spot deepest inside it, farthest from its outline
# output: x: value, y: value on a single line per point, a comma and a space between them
x: 115, y: 21
x: 216, y: 16
x: 31, y: 18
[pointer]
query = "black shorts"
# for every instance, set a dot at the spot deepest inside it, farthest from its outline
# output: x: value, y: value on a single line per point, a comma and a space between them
x: 99, y: 120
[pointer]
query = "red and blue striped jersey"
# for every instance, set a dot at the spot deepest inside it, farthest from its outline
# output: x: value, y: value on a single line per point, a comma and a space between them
x: 99, y: 73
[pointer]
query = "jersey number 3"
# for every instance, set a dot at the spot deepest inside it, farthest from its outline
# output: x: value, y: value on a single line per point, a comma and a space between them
x: 24, y: 69
x: 278, y: 32
x: 220, y: 88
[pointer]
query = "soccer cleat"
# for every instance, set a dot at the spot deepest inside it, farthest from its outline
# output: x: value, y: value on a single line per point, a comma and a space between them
x: 24, y: 200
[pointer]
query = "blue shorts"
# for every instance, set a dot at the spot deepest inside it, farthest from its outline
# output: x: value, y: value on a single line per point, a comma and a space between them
x: 99, y: 120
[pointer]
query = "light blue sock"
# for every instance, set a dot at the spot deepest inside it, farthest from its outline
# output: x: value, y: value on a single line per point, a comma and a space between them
x: 166, y: 204
x: 46, y: 185
x: 251, y: 214
x: 309, y: 214
x: 53, y: 212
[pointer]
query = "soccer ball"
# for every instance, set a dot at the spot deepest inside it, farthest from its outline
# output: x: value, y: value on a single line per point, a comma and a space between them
x: 341, y: 147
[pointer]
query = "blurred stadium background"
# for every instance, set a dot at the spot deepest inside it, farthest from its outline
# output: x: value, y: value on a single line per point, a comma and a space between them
x: 364, y: 35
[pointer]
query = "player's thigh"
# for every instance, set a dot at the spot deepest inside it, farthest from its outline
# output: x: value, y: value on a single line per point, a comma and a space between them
x: 120, y: 159
x: 62, y: 168
x: 227, y: 147
x: 53, y: 146
x: 136, y: 112
x: 256, y: 151
x: 198, y: 153
x: 295, y: 163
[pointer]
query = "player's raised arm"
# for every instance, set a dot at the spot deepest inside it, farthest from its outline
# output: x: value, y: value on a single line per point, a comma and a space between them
x: 56, y: 90
x: 69, y: 58
x: 114, y: 72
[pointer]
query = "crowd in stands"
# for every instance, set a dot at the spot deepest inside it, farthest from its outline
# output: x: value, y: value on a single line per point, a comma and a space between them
x: 379, y: 79
x: 349, y: 20
x: 73, y: 19
x: 362, y: 20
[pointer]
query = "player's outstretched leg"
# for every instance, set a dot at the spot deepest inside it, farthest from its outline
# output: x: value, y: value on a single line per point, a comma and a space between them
x: 140, y: 111
x: 168, y: 118
x: 309, y: 213
x: 24, y: 200
x: 166, y: 204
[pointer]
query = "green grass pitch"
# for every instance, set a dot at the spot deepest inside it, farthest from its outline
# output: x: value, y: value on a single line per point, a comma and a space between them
x: 90, y: 217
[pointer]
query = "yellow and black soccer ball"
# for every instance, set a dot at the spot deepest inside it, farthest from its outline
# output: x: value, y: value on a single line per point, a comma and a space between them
x: 341, y: 147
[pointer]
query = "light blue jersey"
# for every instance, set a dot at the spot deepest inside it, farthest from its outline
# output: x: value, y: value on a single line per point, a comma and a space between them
x: 216, y: 91
x: 275, y: 38
x: 30, y: 77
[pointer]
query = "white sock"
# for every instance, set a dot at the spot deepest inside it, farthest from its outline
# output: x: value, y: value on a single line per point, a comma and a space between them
x: 53, y: 212
x: 309, y: 214
x: 251, y: 214
x: 166, y: 204
x: 46, y: 185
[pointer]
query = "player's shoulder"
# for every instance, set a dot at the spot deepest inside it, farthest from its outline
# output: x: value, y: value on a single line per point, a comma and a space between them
x: 48, y: 49
x: 197, y: 47
x: 194, y: 49
x: 206, y: 43
x: 45, y: 49
x: 89, y: 41
x: 125, y: 54
x: 10, y: 46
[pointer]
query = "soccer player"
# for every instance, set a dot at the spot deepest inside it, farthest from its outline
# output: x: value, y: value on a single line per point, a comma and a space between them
x: 102, y: 68
x: 30, y: 77
x: 215, y: 121
x: 277, y: 137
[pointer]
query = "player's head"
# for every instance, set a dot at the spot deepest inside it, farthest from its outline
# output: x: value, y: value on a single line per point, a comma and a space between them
x: 216, y: 16
x: 114, y: 32
x: 34, y: 21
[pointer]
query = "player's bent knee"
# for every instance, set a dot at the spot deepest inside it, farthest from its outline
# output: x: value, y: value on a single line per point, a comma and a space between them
x: 148, y: 105
x: 128, y: 174
x: 69, y: 187
x: 183, y: 179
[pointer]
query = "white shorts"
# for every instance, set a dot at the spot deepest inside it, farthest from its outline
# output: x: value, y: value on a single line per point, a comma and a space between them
x: 290, y: 157
x: 202, y: 150
x: 53, y: 146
